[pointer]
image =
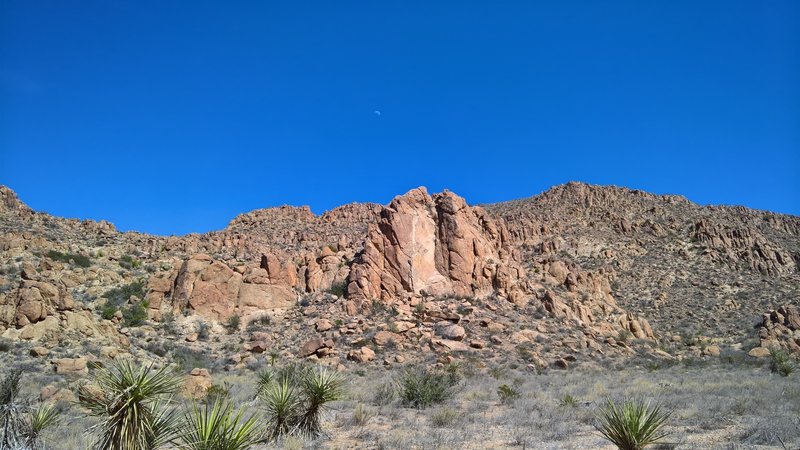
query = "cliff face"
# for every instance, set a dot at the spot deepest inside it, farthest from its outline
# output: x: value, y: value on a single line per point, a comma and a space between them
x: 571, y: 271
x: 433, y: 245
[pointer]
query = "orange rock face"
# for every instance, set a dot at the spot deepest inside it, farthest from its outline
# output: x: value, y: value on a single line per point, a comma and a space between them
x: 435, y: 245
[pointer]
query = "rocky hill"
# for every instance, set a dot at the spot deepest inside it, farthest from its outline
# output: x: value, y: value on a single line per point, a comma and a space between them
x: 577, y: 275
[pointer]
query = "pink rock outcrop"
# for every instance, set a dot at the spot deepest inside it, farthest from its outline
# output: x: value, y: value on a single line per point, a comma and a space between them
x: 434, y: 245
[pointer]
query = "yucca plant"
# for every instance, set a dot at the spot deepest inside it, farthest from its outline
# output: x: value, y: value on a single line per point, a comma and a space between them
x: 132, y: 402
x: 633, y: 425
x: 21, y: 426
x: 319, y: 388
x: 296, y: 396
x: 215, y: 426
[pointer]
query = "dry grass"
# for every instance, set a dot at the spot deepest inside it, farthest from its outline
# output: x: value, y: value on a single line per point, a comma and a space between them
x: 717, y: 406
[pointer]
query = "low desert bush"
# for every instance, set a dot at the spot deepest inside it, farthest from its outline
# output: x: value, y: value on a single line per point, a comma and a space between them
x: 781, y: 362
x: 508, y: 394
x: 69, y: 258
x: 423, y: 388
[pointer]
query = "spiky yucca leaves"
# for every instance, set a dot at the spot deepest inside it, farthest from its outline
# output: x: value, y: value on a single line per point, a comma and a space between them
x: 132, y: 405
x: 320, y: 387
x: 295, y: 397
x: 633, y: 425
x: 283, y: 404
x: 42, y: 418
x: 20, y: 426
x: 215, y: 426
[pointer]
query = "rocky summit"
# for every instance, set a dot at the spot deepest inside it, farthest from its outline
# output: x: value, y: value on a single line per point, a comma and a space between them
x: 574, y: 276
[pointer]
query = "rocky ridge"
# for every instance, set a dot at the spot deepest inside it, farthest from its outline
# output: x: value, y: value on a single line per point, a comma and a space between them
x: 577, y: 274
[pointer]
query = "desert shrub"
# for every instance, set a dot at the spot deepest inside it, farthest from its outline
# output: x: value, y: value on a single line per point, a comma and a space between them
x: 107, y: 311
x: 129, y: 262
x: 69, y: 258
x: 781, y: 362
x: 21, y: 425
x: 215, y: 426
x: 187, y: 359
x: 135, y: 315
x: 159, y: 348
x: 5, y: 345
x: 217, y: 391
x: 508, y: 394
x: 422, y: 388
x: 233, y: 324
x: 259, y: 324
x: 361, y: 415
x: 338, y: 289
x: 202, y: 331
x: 131, y: 404
x: 444, y: 417
x: 632, y: 425
x: 569, y: 401
x: 120, y: 295
x: 384, y: 395
x: 295, y: 397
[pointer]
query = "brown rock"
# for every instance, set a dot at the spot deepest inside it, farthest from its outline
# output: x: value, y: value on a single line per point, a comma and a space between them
x: 197, y: 383
x: 38, y: 352
x: 71, y: 366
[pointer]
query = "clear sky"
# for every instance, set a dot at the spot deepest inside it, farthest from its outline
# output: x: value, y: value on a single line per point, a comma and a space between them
x: 171, y: 117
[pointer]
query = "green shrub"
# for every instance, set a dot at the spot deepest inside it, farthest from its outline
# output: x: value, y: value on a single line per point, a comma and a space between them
x: 129, y: 262
x: 422, y: 388
x: 233, y: 324
x: 569, y: 401
x: 69, y: 258
x: 120, y: 295
x: 338, y: 289
x: 107, y: 311
x: 135, y: 315
x: 633, y: 425
x: 781, y: 362
x: 508, y: 394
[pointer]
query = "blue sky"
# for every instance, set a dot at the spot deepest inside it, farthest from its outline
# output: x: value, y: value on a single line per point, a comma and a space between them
x: 173, y: 117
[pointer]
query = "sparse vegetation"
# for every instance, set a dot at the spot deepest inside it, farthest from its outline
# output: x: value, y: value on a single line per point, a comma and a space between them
x: 70, y: 258
x: 781, y: 362
x: 129, y: 262
x: 508, y: 394
x: 338, y: 289
x: 233, y: 324
x: 20, y: 425
x: 422, y: 388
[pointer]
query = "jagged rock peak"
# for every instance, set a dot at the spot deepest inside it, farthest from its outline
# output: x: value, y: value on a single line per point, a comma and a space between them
x: 9, y: 201
x: 436, y: 245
